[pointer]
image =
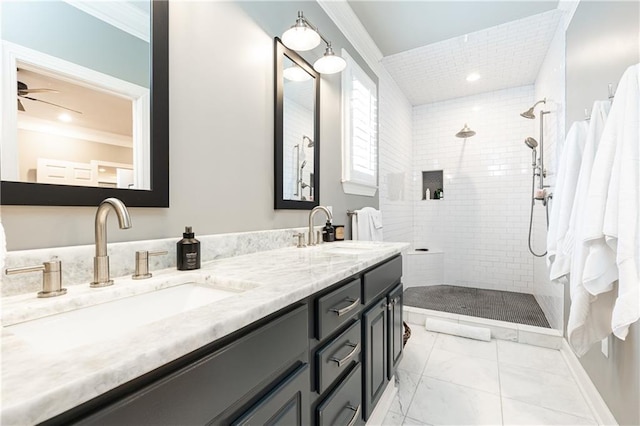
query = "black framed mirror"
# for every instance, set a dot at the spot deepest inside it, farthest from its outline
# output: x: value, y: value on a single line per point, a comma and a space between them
x: 297, y: 131
x: 155, y: 191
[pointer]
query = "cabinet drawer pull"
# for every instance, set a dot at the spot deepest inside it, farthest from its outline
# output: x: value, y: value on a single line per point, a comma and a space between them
x: 346, y: 309
x: 342, y: 361
x: 356, y: 414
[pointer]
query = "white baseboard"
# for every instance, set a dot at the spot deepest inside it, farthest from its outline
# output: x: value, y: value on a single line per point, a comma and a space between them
x: 599, y: 408
x: 383, y: 405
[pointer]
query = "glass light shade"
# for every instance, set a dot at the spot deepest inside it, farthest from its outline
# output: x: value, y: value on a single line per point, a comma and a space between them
x: 330, y: 63
x: 300, y: 38
x: 295, y: 73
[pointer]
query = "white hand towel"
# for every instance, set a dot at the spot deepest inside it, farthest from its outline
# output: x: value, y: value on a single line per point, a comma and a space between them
x: 369, y: 224
x: 354, y: 226
x: 568, y: 171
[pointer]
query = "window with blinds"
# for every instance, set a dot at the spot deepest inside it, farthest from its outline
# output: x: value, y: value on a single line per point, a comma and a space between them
x: 360, y: 130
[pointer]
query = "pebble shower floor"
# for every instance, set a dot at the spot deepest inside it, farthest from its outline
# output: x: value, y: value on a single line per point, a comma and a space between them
x: 498, y: 305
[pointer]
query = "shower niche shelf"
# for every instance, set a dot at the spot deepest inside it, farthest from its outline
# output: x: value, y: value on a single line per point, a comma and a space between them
x: 432, y: 180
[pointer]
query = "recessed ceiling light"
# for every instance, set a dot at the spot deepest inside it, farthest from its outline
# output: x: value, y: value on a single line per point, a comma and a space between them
x: 102, y: 170
x: 66, y: 118
x: 473, y: 76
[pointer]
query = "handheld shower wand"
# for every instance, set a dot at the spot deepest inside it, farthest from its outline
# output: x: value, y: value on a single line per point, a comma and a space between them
x: 538, y: 170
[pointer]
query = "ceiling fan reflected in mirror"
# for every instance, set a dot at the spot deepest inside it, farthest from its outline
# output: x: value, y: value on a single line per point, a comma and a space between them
x: 24, y: 91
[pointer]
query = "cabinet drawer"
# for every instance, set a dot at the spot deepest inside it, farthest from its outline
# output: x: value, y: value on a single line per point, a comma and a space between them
x: 376, y: 281
x: 200, y: 392
x: 338, y: 356
x: 343, y: 407
x: 337, y: 307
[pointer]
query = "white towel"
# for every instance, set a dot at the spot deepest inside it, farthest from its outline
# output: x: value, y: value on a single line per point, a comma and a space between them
x: 3, y: 247
x: 568, y: 171
x: 622, y: 214
x: 589, y: 316
x: 369, y: 225
x: 600, y: 270
x: 354, y: 226
x: 613, y: 224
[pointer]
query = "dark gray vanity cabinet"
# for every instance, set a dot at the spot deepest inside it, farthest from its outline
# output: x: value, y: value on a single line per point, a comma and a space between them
x: 324, y: 360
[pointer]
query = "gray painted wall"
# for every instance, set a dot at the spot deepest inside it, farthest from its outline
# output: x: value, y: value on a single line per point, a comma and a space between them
x: 221, y: 133
x: 602, y: 41
x: 63, y: 31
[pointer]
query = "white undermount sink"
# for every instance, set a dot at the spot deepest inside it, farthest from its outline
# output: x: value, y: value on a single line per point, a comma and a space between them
x: 349, y: 248
x: 83, y: 326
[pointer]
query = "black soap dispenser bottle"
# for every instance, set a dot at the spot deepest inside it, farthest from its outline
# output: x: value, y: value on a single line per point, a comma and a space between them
x: 188, y: 251
x: 328, y: 232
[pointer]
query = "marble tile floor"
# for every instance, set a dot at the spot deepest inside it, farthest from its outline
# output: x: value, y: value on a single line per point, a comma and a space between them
x: 450, y: 380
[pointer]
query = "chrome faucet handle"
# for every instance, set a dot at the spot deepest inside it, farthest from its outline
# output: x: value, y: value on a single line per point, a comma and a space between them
x: 301, y: 243
x: 51, y: 277
x: 142, y: 263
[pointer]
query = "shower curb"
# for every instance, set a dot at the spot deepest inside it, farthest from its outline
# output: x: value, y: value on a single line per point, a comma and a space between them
x: 502, y: 330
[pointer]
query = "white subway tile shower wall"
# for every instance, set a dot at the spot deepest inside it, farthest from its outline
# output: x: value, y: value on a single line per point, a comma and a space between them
x: 482, y: 222
x: 395, y: 147
x: 550, y: 84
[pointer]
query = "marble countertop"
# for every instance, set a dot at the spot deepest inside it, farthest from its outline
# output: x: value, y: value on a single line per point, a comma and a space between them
x: 39, y: 383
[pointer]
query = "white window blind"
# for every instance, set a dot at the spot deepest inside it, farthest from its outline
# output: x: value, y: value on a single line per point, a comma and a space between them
x: 360, y: 130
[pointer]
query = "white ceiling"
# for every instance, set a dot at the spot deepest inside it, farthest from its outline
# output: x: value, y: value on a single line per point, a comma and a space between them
x: 100, y: 110
x: 397, y: 26
x: 507, y: 52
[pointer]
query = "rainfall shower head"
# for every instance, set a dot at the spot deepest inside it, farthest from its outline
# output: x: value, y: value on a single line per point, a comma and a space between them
x: 531, y: 143
x: 310, y: 142
x: 466, y: 132
x: 529, y: 113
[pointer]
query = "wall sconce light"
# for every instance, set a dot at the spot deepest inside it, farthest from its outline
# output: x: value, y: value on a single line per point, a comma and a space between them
x: 303, y: 36
x: 466, y: 132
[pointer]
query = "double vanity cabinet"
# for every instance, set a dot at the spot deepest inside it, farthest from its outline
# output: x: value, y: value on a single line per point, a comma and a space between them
x: 323, y: 360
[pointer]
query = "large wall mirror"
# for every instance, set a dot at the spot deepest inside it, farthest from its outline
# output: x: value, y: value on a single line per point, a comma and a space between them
x: 297, y: 144
x: 85, y: 105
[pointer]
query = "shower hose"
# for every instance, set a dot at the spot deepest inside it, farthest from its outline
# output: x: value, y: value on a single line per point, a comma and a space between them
x: 546, y: 207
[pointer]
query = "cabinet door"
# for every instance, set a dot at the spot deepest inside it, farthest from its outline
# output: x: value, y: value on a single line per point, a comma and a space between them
x: 396, y: 330
x: 286, y: 404
x: 375, y: 354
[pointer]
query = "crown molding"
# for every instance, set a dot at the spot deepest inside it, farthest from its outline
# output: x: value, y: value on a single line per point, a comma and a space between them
x: 346, y: 20
x: 120, y: 14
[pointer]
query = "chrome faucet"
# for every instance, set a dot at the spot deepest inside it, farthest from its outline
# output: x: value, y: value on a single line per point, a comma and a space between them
x: 312, y: 213
x: 101, y: 261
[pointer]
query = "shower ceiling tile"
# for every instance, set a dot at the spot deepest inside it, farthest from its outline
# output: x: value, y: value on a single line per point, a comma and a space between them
x: 507, y: 55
